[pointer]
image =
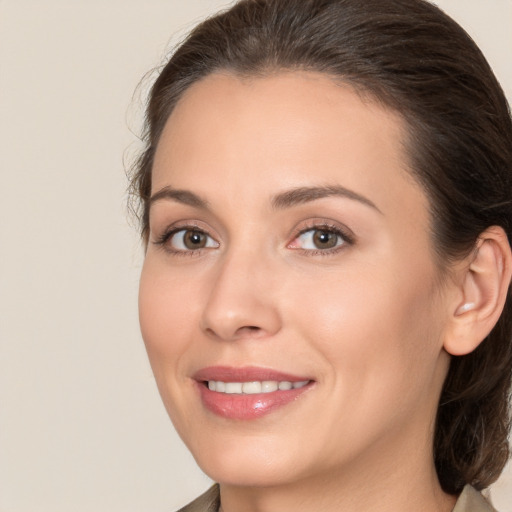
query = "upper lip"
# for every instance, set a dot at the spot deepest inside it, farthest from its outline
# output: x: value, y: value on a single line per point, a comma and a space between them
x: 245, y: 374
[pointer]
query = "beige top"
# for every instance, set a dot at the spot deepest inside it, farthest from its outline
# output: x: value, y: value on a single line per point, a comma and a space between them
x: 470, y: 500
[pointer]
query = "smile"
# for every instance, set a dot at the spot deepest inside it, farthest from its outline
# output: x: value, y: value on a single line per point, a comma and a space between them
x: 254, y: 387
x: 248, y: 393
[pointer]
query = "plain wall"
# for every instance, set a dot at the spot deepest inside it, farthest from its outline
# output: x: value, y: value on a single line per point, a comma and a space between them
x: 81, y: 423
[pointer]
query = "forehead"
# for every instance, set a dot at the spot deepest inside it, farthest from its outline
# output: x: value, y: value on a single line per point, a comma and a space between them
x: 283, y: 130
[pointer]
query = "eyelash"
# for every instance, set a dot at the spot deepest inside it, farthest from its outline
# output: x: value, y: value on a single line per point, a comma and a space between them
x: 170, y: 232
x: 346, y: 236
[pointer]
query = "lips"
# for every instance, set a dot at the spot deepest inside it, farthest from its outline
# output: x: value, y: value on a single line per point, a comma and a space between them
x: 248, y: 393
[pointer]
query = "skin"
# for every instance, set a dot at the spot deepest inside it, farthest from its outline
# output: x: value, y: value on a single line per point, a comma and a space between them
x: 366, y: 320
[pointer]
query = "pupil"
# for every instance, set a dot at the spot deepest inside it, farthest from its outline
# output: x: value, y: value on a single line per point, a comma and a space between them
x: 325, y: 239
x: 194, y: 240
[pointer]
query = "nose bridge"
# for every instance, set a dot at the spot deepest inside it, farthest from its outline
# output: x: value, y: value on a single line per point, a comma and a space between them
x: 240, y: 301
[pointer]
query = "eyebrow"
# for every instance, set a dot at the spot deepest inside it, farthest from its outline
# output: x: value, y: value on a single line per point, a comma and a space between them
x: 288, y: 199
x: 180, y: 196
x: 303, y: 195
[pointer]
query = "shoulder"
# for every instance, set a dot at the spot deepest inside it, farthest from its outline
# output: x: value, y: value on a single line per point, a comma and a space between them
x: 207, y: 502
x: 471, y: 500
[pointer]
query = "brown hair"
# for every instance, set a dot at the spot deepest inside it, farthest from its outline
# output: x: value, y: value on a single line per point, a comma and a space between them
x: 414, y: 59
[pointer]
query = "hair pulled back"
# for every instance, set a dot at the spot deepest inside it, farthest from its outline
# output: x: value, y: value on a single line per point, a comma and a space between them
x: 411, y: 57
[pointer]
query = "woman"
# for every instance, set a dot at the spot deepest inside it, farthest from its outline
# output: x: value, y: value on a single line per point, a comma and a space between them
x: 326, y: 206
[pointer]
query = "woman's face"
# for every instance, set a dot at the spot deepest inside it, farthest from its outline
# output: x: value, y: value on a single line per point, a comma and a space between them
x: 289, y: 248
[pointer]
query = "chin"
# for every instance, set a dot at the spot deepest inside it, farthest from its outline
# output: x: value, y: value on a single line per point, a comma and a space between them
x: 246, y: 464
x: 246, y: 475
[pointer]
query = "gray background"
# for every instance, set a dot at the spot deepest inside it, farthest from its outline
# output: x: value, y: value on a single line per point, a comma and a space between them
x: 81, y: 424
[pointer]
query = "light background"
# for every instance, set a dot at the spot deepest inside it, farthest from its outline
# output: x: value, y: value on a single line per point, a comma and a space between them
x: 81, y: 424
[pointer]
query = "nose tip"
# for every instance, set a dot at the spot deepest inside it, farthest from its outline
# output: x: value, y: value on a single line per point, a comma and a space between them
x: 247, y: 322
x: 241, y: 305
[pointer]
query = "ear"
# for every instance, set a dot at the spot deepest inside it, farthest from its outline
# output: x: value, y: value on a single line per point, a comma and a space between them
x: 483, y: 283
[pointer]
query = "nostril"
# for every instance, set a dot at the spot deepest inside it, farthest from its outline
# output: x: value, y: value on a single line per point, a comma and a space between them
x: 249, y: 331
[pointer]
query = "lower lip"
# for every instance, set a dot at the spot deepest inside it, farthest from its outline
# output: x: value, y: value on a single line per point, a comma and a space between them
x: 247, y: 407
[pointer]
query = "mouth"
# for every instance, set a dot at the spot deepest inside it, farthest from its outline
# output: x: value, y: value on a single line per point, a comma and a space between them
x: 248, y: 393
x: 254, y: 387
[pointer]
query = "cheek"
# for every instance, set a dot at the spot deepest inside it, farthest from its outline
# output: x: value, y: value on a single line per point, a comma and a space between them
x: 375, y: 326
x: 166, y: 313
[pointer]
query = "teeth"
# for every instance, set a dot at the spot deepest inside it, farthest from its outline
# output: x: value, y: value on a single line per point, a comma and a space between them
x: 251, y: 388
x: 232, y: 387
x: 267, y: 386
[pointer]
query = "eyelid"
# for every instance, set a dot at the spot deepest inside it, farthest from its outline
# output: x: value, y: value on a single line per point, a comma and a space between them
x: 320, y: 224
x: 187, y: 225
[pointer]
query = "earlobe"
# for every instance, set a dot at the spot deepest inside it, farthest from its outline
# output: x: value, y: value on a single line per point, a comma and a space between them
x: 468, y: 306
x: 484, y: 286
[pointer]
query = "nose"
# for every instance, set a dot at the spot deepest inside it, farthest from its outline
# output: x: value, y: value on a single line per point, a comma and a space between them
x: 242, y: 302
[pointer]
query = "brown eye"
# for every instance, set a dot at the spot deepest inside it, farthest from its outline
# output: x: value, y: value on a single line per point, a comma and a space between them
x: 320, y: 239
x: 325, y: 239
x: 185, y: 240
x: 194, y: 240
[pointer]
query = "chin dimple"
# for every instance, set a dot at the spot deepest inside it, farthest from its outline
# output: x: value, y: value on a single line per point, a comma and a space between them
x: 254, y: 387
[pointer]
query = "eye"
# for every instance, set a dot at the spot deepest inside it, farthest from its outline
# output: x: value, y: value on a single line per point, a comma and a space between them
x: 187, y: 239
x: 321, y: 238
